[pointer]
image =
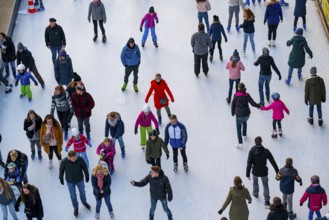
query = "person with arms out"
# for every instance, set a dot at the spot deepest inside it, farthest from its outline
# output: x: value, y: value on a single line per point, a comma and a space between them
x: 115, y: 127
x: 24, y: 77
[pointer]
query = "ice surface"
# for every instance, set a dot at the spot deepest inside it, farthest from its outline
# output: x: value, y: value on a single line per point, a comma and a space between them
x: 199, y: 104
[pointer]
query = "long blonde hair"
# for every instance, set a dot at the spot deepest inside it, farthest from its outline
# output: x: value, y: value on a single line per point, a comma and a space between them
x: 101, y: 168
x: 5, y: 188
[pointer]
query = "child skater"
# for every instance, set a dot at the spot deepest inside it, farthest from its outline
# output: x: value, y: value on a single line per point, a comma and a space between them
x: 149, y: 19
x: 107, y: 148
x: 24, y: 77
x: 154, y: 146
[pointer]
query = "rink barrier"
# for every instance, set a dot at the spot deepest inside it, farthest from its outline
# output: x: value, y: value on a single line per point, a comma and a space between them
x: 11, y: 25
x: 323, y: 9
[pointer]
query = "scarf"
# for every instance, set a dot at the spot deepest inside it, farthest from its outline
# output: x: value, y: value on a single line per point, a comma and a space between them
x: 100, y: 178
x: 52, y: 131
x: 113, y: 123
x: 96, y: 4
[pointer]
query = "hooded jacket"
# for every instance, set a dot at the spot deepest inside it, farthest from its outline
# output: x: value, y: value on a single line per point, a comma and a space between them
x: 316, y: 195
x: 287, y: 176
x: 130, y: 56
x: 63, y: 70
x: 297, y: 54
x: 32, y: 209
x: 240, y: 106
x: 278, y: 108
x: 161, y: 90
x: 273, y: 13
x: 116, y: 130
x: 257, y: 159
x: 315, y: 90
x: 154, y: 148
x: 97, y: 12
x: 201, y: 43
x: 277, y: 213
x: 55, y: 36
x: 266, y: 62
x: 25, y: 57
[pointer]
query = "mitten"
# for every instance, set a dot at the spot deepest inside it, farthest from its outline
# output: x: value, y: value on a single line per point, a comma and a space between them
x: 300, y: 204
x: 136, y: 132
x: 306, y: 102
x: 90, y: 145
x: 66, y: 149
x: 141, y: 28
x: 61, y: 181
x: 220, y: 211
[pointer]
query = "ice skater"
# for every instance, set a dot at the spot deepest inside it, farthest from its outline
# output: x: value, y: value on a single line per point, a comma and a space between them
x: 149, y: 20
x: 97, y: 13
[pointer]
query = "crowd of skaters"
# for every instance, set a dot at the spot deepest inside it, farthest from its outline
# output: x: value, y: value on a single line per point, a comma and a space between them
x: 49, y: 134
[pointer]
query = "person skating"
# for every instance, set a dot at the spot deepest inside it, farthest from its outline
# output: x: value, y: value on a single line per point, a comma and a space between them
x: 144, y: 121
x: 257, y: 162
x: 234, y: 7
x: 234, y: 67
x: 25, y: 57
x: 201, y: 43
x: 154, y: 146
x: 149, y: 20
x: 7, y: 200
x: 247, y: 3
x: 115, y: 127
x: 21, y: 161
x: 30, y: 196
x: 265, y: 74
x: 160, y: 189
x: 277, y: 210
x: 32, y: 126
x: 3, y: 79
x: 62, y: 102
x: 107, y: 151
x: 287, y: 176
x: 278, y: 108
x: 101, y: 182
x: 314, y: 94
x: 130, y: 59
x: 51, y: 138
x: 248, y: 29
x: 203, y: 6
x: 79, y: 142
x: 316, y: 196
x: 273, y: 16
x: 216, y: 31
x: 300, y: 11
x: 74, y: 167
x: 24, y: 77
x: 63, y: 68
x: 297, y: 54
x: 161, y: 89
x: 8, y: 54
x: 176, y: 135
x: 240, y: 108
x: 97, y: 13
x: 14, y: 175
x: 83, y: 103
x: 237, y: 196
x: 54, y: 38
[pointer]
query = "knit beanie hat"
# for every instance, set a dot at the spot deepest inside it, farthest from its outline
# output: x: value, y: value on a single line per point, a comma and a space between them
x: 313, y: 70
x: 151, y: 10
x: 266, y: 52
x: 76, y: 77
x: 276, y: 201
x: 216, y: 18
x: 236, y: 53
x: 315, y: 179
x: 62, y: 53
x: 20, y: 46
x: 299, y: 31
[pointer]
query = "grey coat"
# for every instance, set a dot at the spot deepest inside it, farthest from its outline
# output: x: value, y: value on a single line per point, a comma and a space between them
x: 200, y: 42
x: 62, y: 102
x: 97, y: 12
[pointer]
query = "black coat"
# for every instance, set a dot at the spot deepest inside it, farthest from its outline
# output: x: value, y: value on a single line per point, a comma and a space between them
x: 300, y: 8
x: 55, y: 36
x: 9, y: 53
x: 266, y: 62
x: 116, y: 131
x: 240, y: 106
x: 21, y: 162
x: 106, y: 186
x: 257, y: 159
x: 32, y: 210
x: 28, y: 123
x: 277, y: 213
x: 159, y: 186
x: 73, y: 170
x: 248, y: 26
x: 26, y: 58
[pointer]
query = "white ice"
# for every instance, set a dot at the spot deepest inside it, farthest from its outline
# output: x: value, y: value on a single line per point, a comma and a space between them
x: 199, y: 104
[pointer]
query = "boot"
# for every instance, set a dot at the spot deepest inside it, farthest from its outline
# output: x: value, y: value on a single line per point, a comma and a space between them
x: 211, y: 58
x: 310, y: 121
x: 160, y: 120
x: 143, y: 44
x: 104, y: 39
x: 221, y: 57
x: 300, y: 75
x: 320, y: 121
x: 274, y: 135
x: 295, y: 28
x: 123, y: 153
x: 228, y: 28
x: 50, y: 164
x: 95, y: 37
x: 111, y: 214
x: 292, y: 215
x: 76, y: 212
x: 39, y: 155
x: 288, y: 81
x: 123, y: 88
x: 155, y: 44
x: 30, y: 99
x: 135, y: 88
x: 87, y: 206
x: 185, y: 167
x: 228, y: 100
x: 267, y: 98
x: 237, y: 28
x: 33, y: 155
x: 280, y: 132
x: 304, y: 26
x: 65, y: 135
x: 175, y: 167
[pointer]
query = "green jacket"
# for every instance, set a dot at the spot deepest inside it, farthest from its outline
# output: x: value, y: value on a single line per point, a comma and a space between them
x: 297, y: 54
x: 315, y: 90
x: 153, y: 148
x: 237, y: 197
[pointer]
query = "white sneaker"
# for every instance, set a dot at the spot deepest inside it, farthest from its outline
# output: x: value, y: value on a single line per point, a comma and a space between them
x: 239, y: 145
x: 50, y: 164
x: 269, y: 43
x: 273, y: 43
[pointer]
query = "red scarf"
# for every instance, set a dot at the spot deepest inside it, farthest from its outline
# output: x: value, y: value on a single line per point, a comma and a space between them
x: 100, y: 178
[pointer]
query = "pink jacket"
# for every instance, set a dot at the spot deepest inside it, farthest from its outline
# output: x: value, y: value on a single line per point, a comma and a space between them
x: 234, y: 73
x: 149, y: 20
x: 278, y: 107
x: 146, y: 120
x: 316, y: 195
x: 203, y: 6
x: 109, y: 152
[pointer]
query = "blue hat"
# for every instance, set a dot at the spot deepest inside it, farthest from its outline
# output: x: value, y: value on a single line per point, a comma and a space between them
x: 299, y: 31
x: 62, y: 53
x: 275, y: 96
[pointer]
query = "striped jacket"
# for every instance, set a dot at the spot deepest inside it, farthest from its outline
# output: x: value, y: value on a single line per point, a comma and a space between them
x: 176, y: 135
x: 61, y: 102
x: 78, y: 144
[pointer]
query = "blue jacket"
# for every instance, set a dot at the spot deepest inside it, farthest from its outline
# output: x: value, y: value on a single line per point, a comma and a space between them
x: 130, y: 56
x: 116, y: 131
x: 25, y: 78
x: 300, y: 8
x: 63, y: 70
x: 273, y: 13
x: 14, y: 176
x: 287, y: 176
x: 176, y: 134
x: 216, y: 31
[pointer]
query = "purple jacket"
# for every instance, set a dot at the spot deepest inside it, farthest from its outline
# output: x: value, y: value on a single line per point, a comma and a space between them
x: 145, y: 120
x: 149, y: 19
x: 278, y: 107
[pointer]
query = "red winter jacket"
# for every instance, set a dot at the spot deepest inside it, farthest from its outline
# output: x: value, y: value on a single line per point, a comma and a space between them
x: 78, y: 144
x: 82, y: 105
x: 316, y: 195
x: 160, y: 90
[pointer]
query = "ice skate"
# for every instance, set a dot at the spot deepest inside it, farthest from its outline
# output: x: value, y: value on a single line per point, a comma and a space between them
x: 30, y: 99
x: 95, y: 37
x: 292, y: 215
x: 320, y: 121
x: 228, y: 28
x: 228, y: 100
x: 299, y: 76
x: 255, y: 195
x: 287, y: 81
x: 274, y: 135
x: 39, y: 155
x: 160, y: 120
x: 143, y: 44
x: 185, y: 167
x: 50, y: 165
x: 97, y: 216
x: 280, y: 132
x: 221, y: 57
x: 211, y: 58
x: 123, y: 154
x: 304, y: 26
x: 155, y: 44
x: 175, y: 167
x: 310, y: 121
x: 267, y: 204
x: 76, y: 212
x: 111, y: 215
x: 8, y: 89
x: 124, y: 86
x: 135, y: 88
x: 87, y: 206
x: 237, y: 28
x: 273, y: 43
x: 104, y: 39
x: 32, y: 155
x: 269, y: 43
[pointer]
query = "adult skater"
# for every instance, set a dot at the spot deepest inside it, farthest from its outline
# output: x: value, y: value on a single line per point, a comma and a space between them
x: 300, y: 11
x: 63, y: 68
x: 203, y: 6
x: 237, y: 196
x: 55, y: 38
x: 8, y: 54
x: 2, y: 78
x: 297, y: 54
x: 97, y: 13
x: 149, y: 19
x: 257, y: 159
x: 248, y: 29
x: 161, y: 89
x: 315, y: 93
x: 176, y: 135
x: 7, y: 200
x: 277, y: 210
x: 234, y: 7
x: 21, y: 161
x: 216, y: 31
x: 240, y: 108
x: 74, y: 167
x: 160, y: 188
x: 70, y: 89
x: 83, y: 103
x: 273, y: 16
x: 25, y: 57
x: 154, y: 146
x: 265, y: 74
x: 115, y: 127
x: 201, y: 43
x: 130, y: 58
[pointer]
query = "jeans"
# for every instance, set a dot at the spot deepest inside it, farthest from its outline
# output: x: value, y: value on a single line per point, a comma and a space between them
x: 33, y: 143
x: 100, y: 25
x: 264, y: 79
x: 13, y: 68
x: 73, y: 194
x: 204, y: 15
x: 182, y: 152
x: 265, y: 186
x: 121, y: 143
x: 197, y: 61
x: 155, y: 161
x: 63, y: 118
x: 241, y: 122
x: 296, y: 20
x: 233, y: 9
x: 53, y: 149
x: 299, y: 70
x: 85, y: 121
x: 12, y: 212
x: 84, y: 156
x: 272, y: 31
x: 287, y: 199
x: 146, y: 33
x: 318, y: 108
x: 251, y: 37
x: 219, y: 42
x: 164, y: 205
x: 310, y: 214
x: 128, y: 71
x: 107, y: 202
x: 54, y: 52
x: 231, y: 82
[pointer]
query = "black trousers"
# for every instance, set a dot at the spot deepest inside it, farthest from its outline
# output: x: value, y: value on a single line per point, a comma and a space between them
x: 219, y: 42
x: 129, y: 70
x: 182, y: 152
x: 197, y: 63
x: 53, y: 149
x: 276, y: 122
x: 272, y: 31
x: 63, y: 119
x: 100, y: 25
x: 296, y: 20
x: 155, y: 161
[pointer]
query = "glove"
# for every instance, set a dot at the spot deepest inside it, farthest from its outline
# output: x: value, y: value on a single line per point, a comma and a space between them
x: 301, y: 183
x: 167, y: 156
x: 61, y: 181
x: 16, y: 83
x: 323, y: 100
x: 300, y: 204
x: 36, y: 83
x: 89, y: 20
x: 136, y: 132
x: 249, y: 202
x: 141, y: 28
x: 220, y: 211
x: 169, y: 199
x: 66, y: 149
x: 148, y: 161
x: 16, y: 209
x: 87, y: 179
x: 311, y: 56
x: 225, y: 40
x: 280, y: 77
x: 306, y: 102
x: 157, y: 130
x: 90, y: 145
